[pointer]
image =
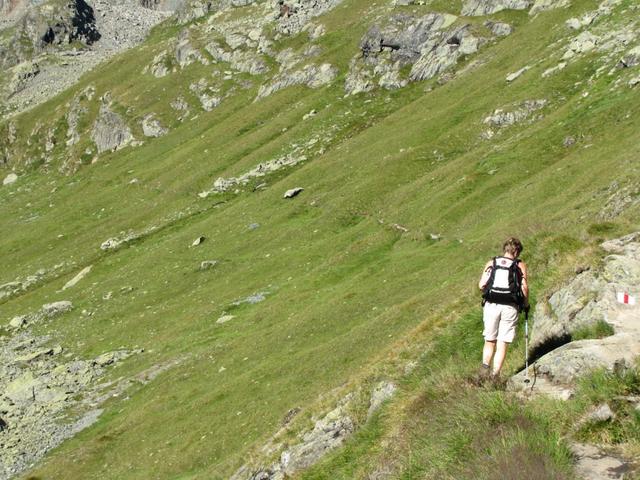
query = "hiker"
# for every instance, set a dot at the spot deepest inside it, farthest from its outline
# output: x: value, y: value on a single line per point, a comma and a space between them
x: 505, y: 294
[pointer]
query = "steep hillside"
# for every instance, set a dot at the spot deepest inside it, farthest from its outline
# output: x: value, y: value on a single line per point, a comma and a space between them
x: 207, y: 323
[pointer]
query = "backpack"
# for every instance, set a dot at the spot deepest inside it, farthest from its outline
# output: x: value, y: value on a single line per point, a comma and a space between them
x: 505, y: 283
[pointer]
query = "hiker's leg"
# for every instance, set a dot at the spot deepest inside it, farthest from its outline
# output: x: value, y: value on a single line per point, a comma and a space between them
x: 498, y: 358
x: 487, y: 351
x: 506, y: 334
x: 491, y: 320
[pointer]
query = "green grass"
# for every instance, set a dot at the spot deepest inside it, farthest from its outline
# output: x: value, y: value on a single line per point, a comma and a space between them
x: 599, y: 329
x: 350, y: 298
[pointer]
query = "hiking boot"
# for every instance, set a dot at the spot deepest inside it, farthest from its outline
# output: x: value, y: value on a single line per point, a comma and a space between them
x: 485, y: 371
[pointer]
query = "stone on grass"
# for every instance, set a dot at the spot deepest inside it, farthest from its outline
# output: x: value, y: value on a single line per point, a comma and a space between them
x: 83, y: 273
x: 294, y: 192
x: 602, y: 413
x: 208, y: 264
x: 51, y: 310
x: 198, y: 241
x: 225, y: 319
x: 9, y: 179
x: 19, y: 321
x: 512, y: 76
x: 381, y: 393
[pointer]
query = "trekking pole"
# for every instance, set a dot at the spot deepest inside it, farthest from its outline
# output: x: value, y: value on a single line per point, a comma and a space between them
x: 526, y: 345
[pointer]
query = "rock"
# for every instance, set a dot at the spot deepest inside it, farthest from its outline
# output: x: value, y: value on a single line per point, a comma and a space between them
x: 584, y: 42
x: 573, y: 24
x: 253, y: 226
x: 50, y: 310
x: 151, y: 126
x: 252, y: 299
x: 404, y: 40
x: 22, y: 390
x: 553, y: 70
x: 207, y: 95
x: 294, y: 192
x: 198, y: 241
x: 10, y: 179
x: 208, y: 264
x: 499, y: 29
x: 327, y: 434
x: 501, y: 118
x: 445, y: 54
x: 309, y: 115
x: 18, y: 322
x: 110, y: 358
x: 587, y: 299
x: 312, y: 76
x: 110, y: 132
x: 630, y: 59
x: 634, y: 81
x: 544, y: 5
x: 222, y: 185
x: 292, y: 16
x: 488, y: 7
x: 602, y: 413
x: 241, y: 60
x: 225, y: 319
x: 381, y: 393
x: 512, y: 76
x: 43, y: 400
x: 594, y: 464
x: 83, y: 273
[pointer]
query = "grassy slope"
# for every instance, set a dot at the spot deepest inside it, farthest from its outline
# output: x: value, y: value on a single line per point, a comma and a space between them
x: 342, y: 287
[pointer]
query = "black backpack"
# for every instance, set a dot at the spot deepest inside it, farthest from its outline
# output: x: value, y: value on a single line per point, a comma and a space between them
x: 505, y: 284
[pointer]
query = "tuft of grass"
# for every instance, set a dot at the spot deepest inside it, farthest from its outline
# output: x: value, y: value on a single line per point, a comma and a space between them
x: 599, y: 329
x: 618, y: 389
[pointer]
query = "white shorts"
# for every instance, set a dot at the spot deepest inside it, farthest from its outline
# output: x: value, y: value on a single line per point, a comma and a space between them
x: 499, y: 322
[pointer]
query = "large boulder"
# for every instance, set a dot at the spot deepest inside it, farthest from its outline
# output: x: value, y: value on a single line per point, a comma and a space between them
x: 110, y: 132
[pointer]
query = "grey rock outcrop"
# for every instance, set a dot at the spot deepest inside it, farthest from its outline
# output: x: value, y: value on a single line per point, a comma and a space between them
x: 488, y: 7
x: 544, y: 5
x: 240, y: 60
x: 110, y: 132
x: 382, y: 392
x: 427, y: 44
x: 630, y: 59
x: 20, y: 285
x: 293, y: 15
x: 591, y: 297
x: 328, y: 433
x: 313, y: 76
x: 499, y: 29
x: 592, y: 463
x: 47, y: 312
x: 37, y: 386
x: 151, y: 126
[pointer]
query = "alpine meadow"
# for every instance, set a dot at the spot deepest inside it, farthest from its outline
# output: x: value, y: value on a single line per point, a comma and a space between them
x: 241, y: 239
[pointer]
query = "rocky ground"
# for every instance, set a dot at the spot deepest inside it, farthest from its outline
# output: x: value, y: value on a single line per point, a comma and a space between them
x: 591, y: 297
x: 121, y: 24
x: 40, y: 381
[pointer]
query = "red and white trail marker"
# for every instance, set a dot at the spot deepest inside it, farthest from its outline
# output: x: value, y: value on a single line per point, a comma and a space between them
x: 624, y: 297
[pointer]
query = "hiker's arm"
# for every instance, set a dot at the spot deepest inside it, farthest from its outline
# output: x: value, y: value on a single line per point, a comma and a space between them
x: 525, y: 280
x: 486, y: 273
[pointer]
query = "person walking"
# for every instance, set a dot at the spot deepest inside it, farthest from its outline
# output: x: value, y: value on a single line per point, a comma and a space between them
x: 505, y: 292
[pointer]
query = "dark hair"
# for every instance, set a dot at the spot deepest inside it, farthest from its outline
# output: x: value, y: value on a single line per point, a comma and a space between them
x: 513, y: 246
